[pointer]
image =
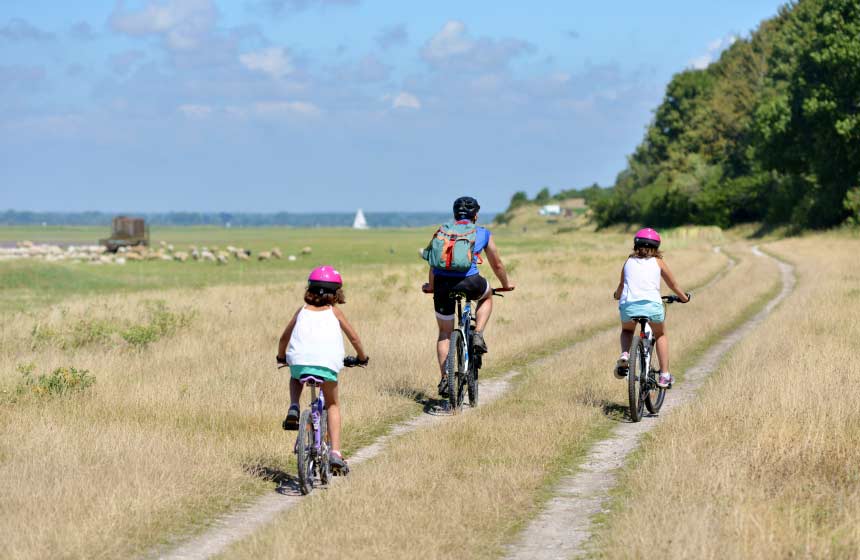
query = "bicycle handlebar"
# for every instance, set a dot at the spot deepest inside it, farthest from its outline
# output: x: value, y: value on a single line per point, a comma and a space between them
x: 352, y: 361
x: 676, y: 299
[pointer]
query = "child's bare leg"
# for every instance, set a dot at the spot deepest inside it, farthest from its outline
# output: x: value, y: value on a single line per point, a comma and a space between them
x: 627, y: 335
x: 295, y: 391
x: 329, y: 389
x: 662, y: 345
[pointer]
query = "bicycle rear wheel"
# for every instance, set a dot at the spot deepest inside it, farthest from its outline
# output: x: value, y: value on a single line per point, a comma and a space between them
x: 304, y: 453
x: 323, y: 463
x: 636, y: 380
x: 453, y: 365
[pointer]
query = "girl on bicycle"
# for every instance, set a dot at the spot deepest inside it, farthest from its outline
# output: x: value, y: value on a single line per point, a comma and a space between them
x: 312, y: 344
x: 638, y: 293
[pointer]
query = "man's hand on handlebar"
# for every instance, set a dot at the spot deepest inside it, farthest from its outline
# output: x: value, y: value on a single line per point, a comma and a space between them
x: 352, y: 361
x: 427, y: 288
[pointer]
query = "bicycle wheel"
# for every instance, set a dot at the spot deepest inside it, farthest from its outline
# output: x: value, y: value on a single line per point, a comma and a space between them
x: 453, y: 365
x: 323, y: 464
x: 472, y: 380
x: 655, y: 395
x: 304, y: 453
x: 636, y: 380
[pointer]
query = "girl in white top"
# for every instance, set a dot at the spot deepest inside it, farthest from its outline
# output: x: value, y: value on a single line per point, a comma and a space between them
x: 638, y: 293
x: 312, y: 344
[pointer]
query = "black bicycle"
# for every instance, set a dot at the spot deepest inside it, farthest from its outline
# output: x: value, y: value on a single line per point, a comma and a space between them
x: 642, y: 389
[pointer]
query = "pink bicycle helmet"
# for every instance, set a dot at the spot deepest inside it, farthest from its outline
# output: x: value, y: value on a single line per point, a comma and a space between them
x: 324, y: 279
x: 646, y: 238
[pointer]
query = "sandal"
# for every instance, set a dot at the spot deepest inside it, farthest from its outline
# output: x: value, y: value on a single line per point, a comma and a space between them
x: 291, y: 422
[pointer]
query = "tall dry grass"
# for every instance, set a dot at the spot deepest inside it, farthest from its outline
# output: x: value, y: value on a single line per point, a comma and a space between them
x: 464, y: 488
x: 765, y: 463
x: 173, y: 430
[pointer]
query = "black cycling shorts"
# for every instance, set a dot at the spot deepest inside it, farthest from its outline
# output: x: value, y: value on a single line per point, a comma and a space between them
x: 475, y: 287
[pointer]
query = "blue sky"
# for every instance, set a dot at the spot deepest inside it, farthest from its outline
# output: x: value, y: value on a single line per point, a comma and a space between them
x: 330, y: 105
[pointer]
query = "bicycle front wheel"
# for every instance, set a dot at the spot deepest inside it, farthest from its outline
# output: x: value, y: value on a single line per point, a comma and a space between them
x: 472, y: 380
x: 304, y: 453
x: 636, y: 380
x: 453, y: 366
x: 323, y: 463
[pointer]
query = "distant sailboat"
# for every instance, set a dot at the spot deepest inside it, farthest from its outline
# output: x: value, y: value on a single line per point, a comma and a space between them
x: 360, y: 222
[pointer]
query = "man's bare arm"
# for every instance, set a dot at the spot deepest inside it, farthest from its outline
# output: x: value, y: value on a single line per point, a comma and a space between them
x: 496, y: 264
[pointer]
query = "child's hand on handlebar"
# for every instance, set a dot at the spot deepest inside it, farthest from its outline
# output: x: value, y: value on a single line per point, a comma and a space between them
x: 352, y: 361
x: 282, y: 362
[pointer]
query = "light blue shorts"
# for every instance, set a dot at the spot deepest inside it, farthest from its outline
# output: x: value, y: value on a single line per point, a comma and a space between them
x: 651, y: 309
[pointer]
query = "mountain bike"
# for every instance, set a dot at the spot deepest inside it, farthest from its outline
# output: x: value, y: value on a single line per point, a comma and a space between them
x: 463, y: 362
x: 642, y: 389
x: 313, y: 443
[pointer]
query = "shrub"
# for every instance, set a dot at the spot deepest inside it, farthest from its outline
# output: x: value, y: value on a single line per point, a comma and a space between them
x: 61, y: 381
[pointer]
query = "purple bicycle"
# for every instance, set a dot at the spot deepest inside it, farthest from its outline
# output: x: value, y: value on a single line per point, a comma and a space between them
x: 313, y: 443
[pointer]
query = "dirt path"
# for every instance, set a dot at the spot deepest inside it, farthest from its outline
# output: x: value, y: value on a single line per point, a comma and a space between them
x: 244, y: 522
x: 566, y: 523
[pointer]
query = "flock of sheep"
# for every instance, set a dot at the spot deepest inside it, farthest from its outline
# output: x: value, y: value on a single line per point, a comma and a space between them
x: 97, y: 254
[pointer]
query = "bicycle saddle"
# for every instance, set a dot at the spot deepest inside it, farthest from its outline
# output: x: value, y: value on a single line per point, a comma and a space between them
x: 457, y: 295
x: 313, y: 379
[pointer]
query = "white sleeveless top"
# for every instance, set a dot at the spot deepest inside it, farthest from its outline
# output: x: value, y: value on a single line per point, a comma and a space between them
x: 316, y: 340
x: 641, y: 280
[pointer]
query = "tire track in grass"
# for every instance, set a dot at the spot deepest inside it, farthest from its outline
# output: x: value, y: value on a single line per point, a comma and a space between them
x: 243, y: 522
x: 566, y: 523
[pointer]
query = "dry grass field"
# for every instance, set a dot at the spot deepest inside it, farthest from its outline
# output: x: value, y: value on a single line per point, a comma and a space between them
x: 176, y: 417
x: 764, y: 464
x: 464, y: 488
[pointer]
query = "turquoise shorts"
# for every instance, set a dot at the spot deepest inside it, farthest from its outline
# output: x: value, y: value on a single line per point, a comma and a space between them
x: 323, y: 373
x: 651, y: 309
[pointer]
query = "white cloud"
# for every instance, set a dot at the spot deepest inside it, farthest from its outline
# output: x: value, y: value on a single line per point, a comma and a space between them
x: 182, y: 23
x: 274, y: 61
x: 450, y: 41
x: 453, y: 47
x: 196, y: 111
x: 715, y: 47
x: 405, y: 100
x: 285, y: 108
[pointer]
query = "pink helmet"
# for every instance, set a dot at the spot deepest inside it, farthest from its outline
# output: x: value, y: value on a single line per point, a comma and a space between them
x: 646, y: 238
x: 324, y: 279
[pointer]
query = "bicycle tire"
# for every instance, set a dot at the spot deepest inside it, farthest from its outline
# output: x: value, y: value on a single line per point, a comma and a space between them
x: 324, y: 464
x: 452, y: 367
x: 635, y: 377
x: 655, y: 397
x: 472, y: 380
x: 304, y: 453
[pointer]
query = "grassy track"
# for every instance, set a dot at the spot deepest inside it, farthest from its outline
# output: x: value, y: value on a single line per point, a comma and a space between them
x: 465, y: 488
x: 763, y: 465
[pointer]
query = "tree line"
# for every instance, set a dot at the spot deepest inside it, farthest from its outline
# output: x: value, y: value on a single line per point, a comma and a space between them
x: 768, y: 133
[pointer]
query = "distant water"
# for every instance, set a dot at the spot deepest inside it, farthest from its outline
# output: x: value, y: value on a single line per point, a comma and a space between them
x: 230, y: 219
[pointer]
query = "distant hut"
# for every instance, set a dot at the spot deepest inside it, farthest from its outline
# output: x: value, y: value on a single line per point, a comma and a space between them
x: 360, y: 222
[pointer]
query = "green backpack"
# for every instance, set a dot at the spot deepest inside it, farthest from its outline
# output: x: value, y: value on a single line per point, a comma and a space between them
x: 452, y: 247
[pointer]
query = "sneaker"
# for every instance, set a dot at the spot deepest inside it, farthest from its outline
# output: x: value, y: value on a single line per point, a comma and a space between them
x: 665, y: 380
x: 442, y: 388
x: 622, y: 365
x: 338, y: 464
x: 478, y: 343
x: 291, y: 422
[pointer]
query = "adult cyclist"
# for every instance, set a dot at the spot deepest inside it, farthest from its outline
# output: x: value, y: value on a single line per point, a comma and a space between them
x: 442, y: 282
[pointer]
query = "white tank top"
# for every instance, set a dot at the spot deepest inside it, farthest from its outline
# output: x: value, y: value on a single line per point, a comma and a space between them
x: 316, y: 340
x: 641, y: 280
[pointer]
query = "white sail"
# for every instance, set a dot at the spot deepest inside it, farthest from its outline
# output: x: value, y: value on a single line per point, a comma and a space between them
x: 360, y: 222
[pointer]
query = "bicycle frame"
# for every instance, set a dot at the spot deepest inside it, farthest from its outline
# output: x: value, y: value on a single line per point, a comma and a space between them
x: 317, y: 407
x: 465, y: 328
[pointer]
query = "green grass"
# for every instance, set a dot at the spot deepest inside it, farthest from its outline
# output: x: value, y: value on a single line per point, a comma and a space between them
x: 29, y: 284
